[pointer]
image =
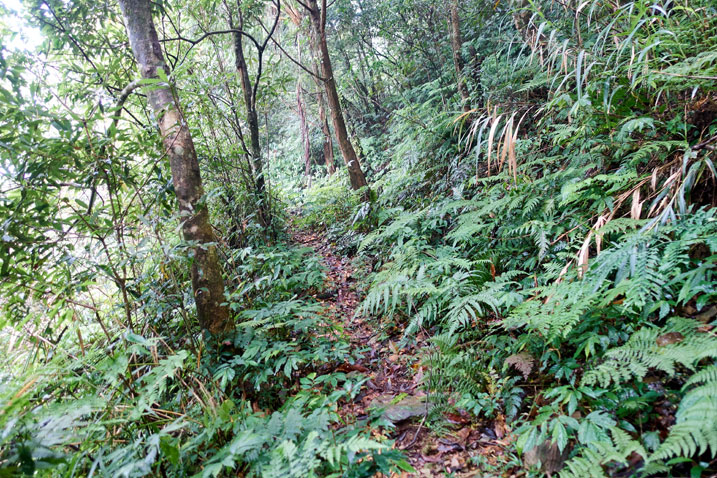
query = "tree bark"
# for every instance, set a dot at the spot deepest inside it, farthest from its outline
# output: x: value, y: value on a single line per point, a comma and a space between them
x: 304, y: 133
x: 296, y: 18
x: 207, y: 283
x: 456, y: 46
x: 318, y: 22
x: 324, y: 122
x: 252, y: 118
x: 328, y: 141
x: 302, y: 123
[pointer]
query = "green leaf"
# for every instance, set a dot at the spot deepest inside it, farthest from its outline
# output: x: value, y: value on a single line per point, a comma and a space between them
x: 560, y: 435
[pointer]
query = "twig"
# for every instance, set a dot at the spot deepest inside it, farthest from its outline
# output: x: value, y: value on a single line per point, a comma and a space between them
x: 704, y: 144
x: 297, y: 63
x: 417, y: 432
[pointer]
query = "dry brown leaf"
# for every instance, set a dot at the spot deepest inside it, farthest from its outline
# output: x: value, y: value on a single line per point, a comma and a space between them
x: 491, y: 136
x: 507, y: 136
x: 500, y: 427
x: 584, y: 251
x: 522, y: 362
x: 636, y: 208
x: 583, y: 255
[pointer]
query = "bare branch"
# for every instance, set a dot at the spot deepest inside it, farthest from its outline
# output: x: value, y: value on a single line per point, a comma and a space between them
x: 291, y: 58
x: 303, y: 5
x: 261, y: 51
x: 323, y: 17
x: 207, y: 34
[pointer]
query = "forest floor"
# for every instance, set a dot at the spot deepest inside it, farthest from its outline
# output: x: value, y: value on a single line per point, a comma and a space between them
x: 436, y: 444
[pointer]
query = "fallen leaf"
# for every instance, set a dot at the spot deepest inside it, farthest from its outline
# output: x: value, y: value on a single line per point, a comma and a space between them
x: 448, y: 447
x: 499, y: 426
x: 522, y: 362
x: 352, y: 367
x: 455, y: 418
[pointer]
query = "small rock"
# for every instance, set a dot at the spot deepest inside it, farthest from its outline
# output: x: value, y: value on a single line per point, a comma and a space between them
x: 548, y: 455
x: 411, y: 406
x: 669, y: 339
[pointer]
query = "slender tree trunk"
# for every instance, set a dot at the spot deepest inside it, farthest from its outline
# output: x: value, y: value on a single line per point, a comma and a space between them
x: 456, y: 46
x: 328, y: 142
x: 252, y: 119
x: 325, y: 129
x: 351, y: 122
x: 296, y: 18
x: 304, y: 133
x: 206, y: 272
x: 302, y: 123
x: 318, y: 22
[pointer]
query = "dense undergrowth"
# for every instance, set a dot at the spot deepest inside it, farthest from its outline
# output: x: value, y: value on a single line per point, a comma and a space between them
x: 557, y: 241
x: 155, y: 405
x: 561, y: 250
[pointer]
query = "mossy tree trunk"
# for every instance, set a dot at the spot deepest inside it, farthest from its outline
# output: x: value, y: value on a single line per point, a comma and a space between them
x: 206, y: 273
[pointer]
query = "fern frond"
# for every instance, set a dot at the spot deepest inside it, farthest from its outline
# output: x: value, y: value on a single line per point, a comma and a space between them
x: 644, y: 351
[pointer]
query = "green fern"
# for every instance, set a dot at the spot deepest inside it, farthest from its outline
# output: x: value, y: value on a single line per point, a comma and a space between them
x: 651, y: 348
x: 695, y: 430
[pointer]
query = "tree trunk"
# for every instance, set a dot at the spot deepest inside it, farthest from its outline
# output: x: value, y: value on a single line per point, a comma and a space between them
x: 456, y: 46
x: 328, y: 142
x: 252, y: 120
x: 304, y: 133
x: 325, y: 129
x: 318, y: 22
x: 302, y: 123
x: 206, y: 272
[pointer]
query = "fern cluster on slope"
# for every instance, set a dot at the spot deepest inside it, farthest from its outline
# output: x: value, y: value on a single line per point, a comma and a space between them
x: 585, y: 269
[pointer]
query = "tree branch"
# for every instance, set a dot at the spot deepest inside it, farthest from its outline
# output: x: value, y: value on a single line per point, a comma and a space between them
x: 303, y: 5
x: 207, y: 34
x: 261, y: 52
x: 291, y: 58
x: 323, y: 17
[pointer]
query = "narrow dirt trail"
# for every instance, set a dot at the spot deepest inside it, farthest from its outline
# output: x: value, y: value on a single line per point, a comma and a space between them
x: 395, y: 374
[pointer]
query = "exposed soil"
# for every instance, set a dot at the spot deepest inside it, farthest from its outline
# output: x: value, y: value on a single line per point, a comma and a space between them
x: 398, y: 372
